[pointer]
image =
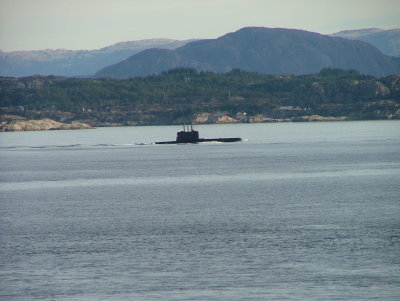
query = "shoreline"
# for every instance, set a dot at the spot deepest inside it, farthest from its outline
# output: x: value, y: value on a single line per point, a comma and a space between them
x: 17, y: 123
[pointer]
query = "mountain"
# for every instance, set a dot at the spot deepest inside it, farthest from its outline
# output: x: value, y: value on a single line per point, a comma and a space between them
x: 151, y: 61
x: 263, y: 50
x: 65, y: 62
x: 387, y: 41
x: 355, y: 33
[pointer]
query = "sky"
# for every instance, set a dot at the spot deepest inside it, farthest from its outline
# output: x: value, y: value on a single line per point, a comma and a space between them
x: 93, y: 24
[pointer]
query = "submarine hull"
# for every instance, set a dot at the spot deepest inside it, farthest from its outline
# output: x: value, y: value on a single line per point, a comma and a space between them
x: 192, y: 136
x: 202, y: 140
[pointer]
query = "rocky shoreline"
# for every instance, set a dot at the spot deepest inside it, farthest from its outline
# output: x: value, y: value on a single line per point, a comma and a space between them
x: 206, y: 118
x: 14, y: 123
x: 60, y: 120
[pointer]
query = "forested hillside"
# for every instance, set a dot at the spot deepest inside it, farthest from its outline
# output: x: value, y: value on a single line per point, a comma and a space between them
x: 185, y: 94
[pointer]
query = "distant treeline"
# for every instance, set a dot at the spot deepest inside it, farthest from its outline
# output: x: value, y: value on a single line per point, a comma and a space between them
x: 189, y: 91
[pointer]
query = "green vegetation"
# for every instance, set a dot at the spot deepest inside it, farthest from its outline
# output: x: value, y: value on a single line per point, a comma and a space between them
x: 183, y: 92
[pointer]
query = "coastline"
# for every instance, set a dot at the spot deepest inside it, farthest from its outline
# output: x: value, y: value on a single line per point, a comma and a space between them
x: 15, y: 123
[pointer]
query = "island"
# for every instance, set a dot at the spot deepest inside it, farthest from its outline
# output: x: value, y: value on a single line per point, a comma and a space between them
x: 186, y: 96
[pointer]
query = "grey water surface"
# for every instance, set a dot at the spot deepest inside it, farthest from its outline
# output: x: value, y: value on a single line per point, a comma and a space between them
x: 297, y: 211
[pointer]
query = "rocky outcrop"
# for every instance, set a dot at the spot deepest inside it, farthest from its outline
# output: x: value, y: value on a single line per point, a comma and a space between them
x: 11, y: 123
x: 201, y: 118
x: 320, y: 118
x: 45, y: 120
x: 226, y: 119
x: 260, y: 118
x: 213, y: 118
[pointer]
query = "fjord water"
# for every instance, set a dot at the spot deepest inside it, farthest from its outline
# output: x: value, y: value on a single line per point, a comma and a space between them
x: 297, y: 211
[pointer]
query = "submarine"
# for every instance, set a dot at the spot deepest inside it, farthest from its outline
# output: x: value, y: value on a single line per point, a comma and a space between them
x: 189, y: 135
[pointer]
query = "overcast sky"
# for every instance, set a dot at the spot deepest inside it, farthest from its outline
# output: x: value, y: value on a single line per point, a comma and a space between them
x: 92, y: 24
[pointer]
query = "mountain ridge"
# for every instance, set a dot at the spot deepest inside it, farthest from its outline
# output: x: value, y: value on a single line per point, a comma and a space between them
x: 85, y: 63
x: 387, y: 41
x: 65, y: 62
x: 265, y: 50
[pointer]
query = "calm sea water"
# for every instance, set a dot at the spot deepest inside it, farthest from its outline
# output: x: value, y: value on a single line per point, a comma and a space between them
x: 298, y: 211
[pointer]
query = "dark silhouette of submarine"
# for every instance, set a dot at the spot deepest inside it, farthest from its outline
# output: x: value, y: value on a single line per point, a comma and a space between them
x: 188, y: 135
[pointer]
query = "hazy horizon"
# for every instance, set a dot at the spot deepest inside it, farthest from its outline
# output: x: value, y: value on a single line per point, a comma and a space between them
x: 93, y: 24
x: 165, y: 38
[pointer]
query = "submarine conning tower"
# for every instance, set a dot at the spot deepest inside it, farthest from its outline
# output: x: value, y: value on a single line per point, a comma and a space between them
x: 187, y: 135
